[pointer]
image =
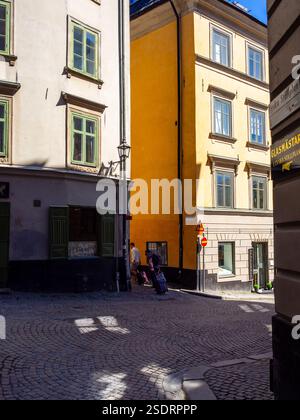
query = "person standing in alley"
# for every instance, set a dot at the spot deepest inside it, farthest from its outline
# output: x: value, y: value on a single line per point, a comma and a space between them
x: 135, y: 258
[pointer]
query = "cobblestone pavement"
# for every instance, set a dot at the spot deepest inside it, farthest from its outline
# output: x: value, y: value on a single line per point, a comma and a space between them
x: 241, y: 382
x: 101, y: 346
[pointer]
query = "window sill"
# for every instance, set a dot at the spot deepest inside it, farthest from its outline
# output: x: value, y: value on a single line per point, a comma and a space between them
x: 224, y: 139
x: 9, y: 58
x: 69, y: 72
x: 9, y: 88
x: 229, y: 277
x: 256, y: 146
x: 4, y: 160
x: 83, y: 168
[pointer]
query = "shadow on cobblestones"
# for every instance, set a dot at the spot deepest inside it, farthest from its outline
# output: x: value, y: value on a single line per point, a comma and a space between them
x: 103, y: 346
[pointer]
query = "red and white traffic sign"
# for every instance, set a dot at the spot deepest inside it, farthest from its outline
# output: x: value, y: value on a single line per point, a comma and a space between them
x: 200, y: 229
x: 204, y: 242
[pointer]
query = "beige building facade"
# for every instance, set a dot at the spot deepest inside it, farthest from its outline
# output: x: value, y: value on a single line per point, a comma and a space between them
x: 61, y: 112
x: 232, y: 74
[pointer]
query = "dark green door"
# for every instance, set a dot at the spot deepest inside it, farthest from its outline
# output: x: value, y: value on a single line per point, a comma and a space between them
x: 106, y: 235
x: 58, y: 233
x: 4, y: 243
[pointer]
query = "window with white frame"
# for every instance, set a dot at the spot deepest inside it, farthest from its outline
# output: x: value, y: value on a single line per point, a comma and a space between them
x: 259, y: 193
x: 255, y: 63
x: 257, y: 127
x: 222, y: 117
x: 225, y: 189
x: 221, y: 48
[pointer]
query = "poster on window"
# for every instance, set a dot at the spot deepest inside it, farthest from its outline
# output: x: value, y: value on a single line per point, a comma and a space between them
x: 82, y: 249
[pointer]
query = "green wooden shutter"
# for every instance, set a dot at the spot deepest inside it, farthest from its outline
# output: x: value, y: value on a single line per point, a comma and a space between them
x: 58, y: 232
x: 4, y: 243
x: 106, y: 235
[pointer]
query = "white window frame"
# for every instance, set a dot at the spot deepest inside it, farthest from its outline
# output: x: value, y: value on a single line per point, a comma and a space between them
x: 262, y: 52
x: 262, y: 176
x: 215, y: 179
x: 223, y: 99
x: 255, y: 143
x: 213, y: 29
x: 233, y: 274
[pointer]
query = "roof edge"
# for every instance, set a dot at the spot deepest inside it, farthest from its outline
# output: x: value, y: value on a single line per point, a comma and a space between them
x: 154, y: 4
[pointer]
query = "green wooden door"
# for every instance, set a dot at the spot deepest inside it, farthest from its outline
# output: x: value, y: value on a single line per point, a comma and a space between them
x: 4, y: 243
x: 58, y: 233
x: 106, y: 235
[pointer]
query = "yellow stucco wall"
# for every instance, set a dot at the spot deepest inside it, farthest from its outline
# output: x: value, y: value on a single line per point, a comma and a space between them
x: 154, y: 129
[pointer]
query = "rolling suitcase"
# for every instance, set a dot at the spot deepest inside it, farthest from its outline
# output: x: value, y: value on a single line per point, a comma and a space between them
x: 161, y: 284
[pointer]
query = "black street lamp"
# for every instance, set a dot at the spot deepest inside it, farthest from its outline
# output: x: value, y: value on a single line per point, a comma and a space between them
x: 124, y: 151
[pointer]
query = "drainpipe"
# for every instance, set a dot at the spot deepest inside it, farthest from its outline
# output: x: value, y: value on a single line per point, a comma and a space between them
x: 125, y: 235
x: 179, y: 157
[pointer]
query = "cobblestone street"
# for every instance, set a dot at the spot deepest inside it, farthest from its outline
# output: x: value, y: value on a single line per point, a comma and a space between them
x: 101, y: 346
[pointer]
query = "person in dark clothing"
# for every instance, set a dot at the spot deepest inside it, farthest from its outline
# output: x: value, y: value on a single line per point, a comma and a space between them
x: 154, y: 263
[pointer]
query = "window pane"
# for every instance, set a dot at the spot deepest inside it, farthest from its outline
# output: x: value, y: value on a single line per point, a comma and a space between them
x: 255, y: 64
x: 257, y: 127
x: 220, y: 196
x: 2, y: 27
x: 78, y: 48
x: 90, y: 67
x: 77, y: 156
x: 90, y: 126
x: 255, y: 199
x: 2, y: 111
x: 91, y: 40
x: 78, y: 62
x: 2, y: 12
x: 222, y: 110
x: 221, y: 44
x: 226, y: 259
x: 227, y: 180
x: 90, y: 149
x: 259, y: 193
x: 78, y: 34
x: 90, y: 53
x: 224, y: 190
x: 78, y: 124
x: 228, y: 202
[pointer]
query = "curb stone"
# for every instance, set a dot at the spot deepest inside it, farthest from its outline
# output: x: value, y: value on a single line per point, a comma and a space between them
x: 191, y: 385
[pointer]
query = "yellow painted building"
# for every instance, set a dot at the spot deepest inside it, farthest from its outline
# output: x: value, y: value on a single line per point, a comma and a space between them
x: 205, y: 119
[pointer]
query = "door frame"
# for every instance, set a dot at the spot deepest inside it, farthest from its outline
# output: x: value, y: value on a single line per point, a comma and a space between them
x: 265, y: 262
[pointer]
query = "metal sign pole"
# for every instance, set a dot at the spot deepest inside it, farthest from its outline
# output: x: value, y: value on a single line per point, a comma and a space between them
x: 198, y: 265
x: 203, y: 281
